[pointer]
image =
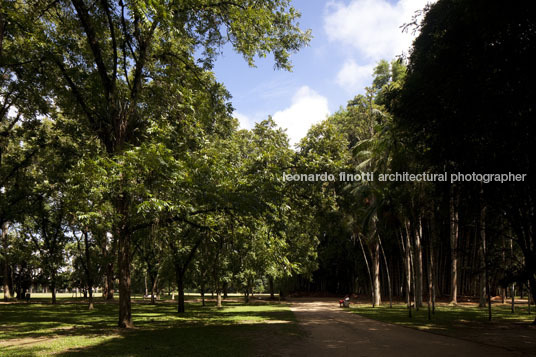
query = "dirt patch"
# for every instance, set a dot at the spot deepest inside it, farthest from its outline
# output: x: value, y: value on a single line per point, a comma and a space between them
x: 26, y: 341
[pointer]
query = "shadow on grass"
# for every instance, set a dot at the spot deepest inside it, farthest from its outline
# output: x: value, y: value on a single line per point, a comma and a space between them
x: 230, y: 340
x: 446, y: 317
x: 65, y: 330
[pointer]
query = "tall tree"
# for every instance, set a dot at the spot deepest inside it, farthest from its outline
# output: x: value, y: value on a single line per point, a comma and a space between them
x: 113, y: 57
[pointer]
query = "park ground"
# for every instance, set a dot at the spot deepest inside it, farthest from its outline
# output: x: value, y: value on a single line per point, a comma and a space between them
x: 300, y: 326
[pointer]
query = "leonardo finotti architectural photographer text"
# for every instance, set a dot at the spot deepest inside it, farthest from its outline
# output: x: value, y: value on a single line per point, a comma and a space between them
x: 406, y: 177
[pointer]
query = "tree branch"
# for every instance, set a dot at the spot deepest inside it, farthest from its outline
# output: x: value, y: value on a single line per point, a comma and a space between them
x: 76, y: 92
x: 106, y: 7
x: 83, y: 16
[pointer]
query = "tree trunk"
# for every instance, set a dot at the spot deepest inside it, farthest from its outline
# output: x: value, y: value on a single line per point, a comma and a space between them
x: 482, y: 289
x: 430, y: 277
x: 89, y: 277
x: 513, y: 286
x: 407, y: 267
x: 433, y: 237
x: 388, y: 274
x: 154, y: 284
x: 486, y: 262
x: 368, y: 270
x: 108, y: 289
x: 412, y: 265
x: 90, y: 300
x: 146, y: 287
x: 418, y: 266
x: 218, y: 304
x: 7, y: 290
x: 513, y: 295
x: 271, y: 284
x: 528, y: 297
x: 203, y: 295
x: 482, y: 275
x: 453, y: 252
x: 123, y: 262
x: 108, y: 293
x: 180, y: 287
x: 53, y: 287
x: 376, y: 272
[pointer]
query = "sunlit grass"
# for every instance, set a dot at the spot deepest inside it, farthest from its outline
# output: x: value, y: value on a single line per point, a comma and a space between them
x: 446, y: 318
x: 65, y: 329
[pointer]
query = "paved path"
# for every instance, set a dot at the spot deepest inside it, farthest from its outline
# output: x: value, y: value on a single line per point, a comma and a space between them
x: 332, y: 331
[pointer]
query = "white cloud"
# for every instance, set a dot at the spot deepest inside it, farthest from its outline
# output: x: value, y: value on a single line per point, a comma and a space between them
x: 244, y: 121
x: 372, y: 27
x: 354, y: 77
x: 307, y: 108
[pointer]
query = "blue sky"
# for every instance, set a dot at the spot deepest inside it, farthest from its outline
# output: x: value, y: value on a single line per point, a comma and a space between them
x: 349, y: 38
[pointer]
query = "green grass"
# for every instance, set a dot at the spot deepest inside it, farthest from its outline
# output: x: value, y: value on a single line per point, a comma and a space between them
x: 70, y: 329
x: 447, y: 319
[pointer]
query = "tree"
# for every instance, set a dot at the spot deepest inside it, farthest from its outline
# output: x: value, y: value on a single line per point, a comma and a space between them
x: 113, y: 57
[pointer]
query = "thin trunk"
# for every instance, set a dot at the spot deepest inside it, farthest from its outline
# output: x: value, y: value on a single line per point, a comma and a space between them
x: 453, y: 251
x: 486, y: 262
x: 503, y: 258
x: 5, y: 243
x: 368, y: 269
x: 529, y: 296
x: 513, y: 295
x: 154, y: 285
x: 482, y: 274
x: 376, y: 272
x: 482, y: 288
x: 203, y: 295
x: 123, y: 262
x: 218, y: 299
x: 388, y: 275
x: 53, y: 286
x: 109, y: 282
x: 433, y: 237
x: 271, y: 284
x: 180, y: 287
x: 108, y: 289
x: 146, y: 287
x: 418, y: 266
x: 407, y: 250
x: 90, y: 300
x: 246, y: 295
x: 430, y: 277
x: 412, y: 265
x: 513, y: 286
x: 89, y: 277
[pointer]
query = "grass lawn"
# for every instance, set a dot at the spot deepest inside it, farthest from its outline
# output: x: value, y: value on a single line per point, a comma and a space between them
x: 446, y: 318
x: 511, y: 331
x: 67, y: 329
